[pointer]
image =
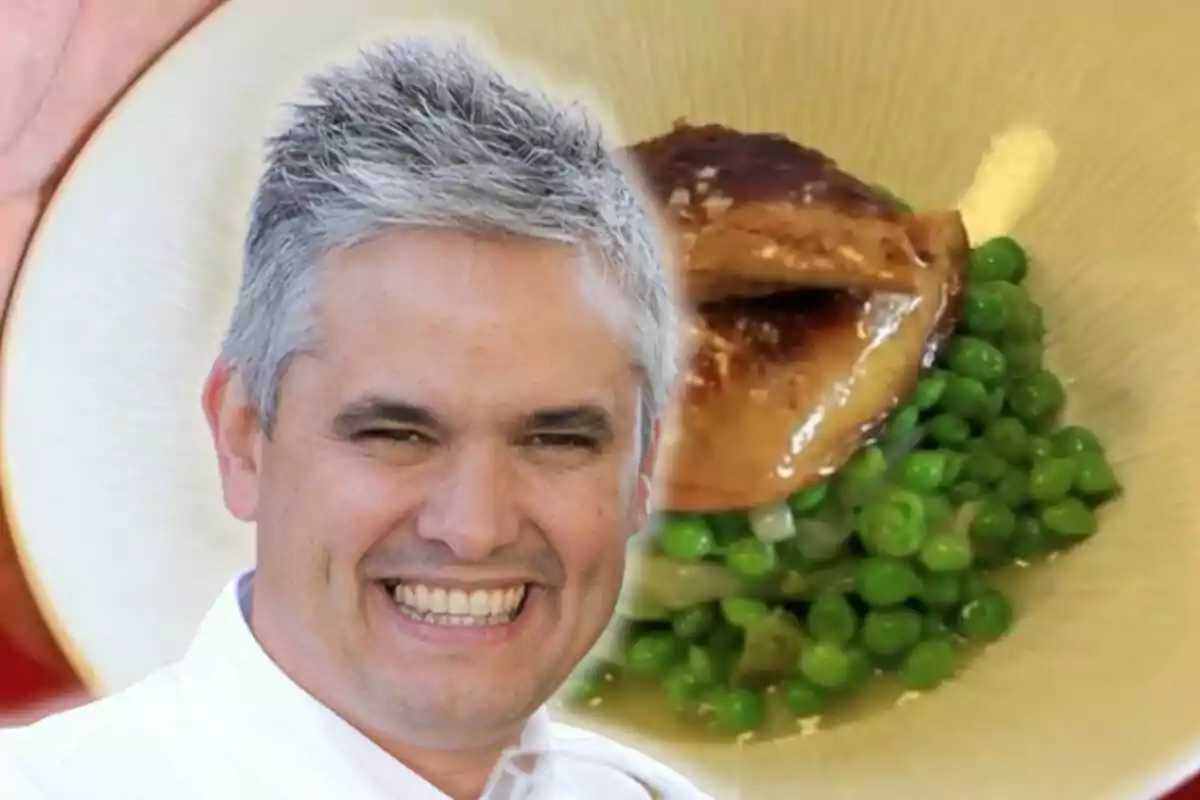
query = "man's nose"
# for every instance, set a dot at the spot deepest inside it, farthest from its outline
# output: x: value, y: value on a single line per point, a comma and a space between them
x: 470, y: 507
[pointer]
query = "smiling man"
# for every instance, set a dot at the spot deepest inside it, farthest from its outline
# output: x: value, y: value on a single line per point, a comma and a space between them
x: 437, y: 402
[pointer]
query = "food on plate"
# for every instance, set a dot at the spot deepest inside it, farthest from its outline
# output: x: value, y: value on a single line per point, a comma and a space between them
x: 865, y: 445
x: 816, y: 304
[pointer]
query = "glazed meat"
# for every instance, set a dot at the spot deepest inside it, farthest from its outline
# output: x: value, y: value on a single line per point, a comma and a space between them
x: 816, y: 304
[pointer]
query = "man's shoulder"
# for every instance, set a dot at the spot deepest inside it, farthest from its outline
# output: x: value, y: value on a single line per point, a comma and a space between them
x: 651, y: 771
x: 81, y: 740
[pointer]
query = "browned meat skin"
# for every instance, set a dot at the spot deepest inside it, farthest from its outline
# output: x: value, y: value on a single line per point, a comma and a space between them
x: 753, y: 212
x: 752, y: 168
x: 785, y: 385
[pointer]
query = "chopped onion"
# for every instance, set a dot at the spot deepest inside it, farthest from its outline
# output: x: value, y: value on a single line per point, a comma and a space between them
x: 773, y: 522
x: 964, y: 516
x: 671, y: 585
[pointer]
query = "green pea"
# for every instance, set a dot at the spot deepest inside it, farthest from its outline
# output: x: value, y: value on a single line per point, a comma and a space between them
x: 1013, y: 488
x: 1008, y: 438
x: 738, y: 710
x: 1040, y: 447
x: 924, y: 470
x: 1051, y: 479
x: 998, y: 259
x: 810, y: 498
x: 831, y: 618
x: 826, y: 664
x: 686, y: 538
x: 1028, y: 321
x: 1038, y: 398
x: 743, y: 611
x: 862, y: 476
x: 1073, y: 440
x: 940, y: 589
x: 930, y: 663
x: 887, y: 632
x: 964, y: 397
x: 868, y: 464
x: 803, y: 698
x: 993, y: 407
x: 861, y: 668
x: 955, y: 461
x: 683, y: 689
x: 949, y: 430
x: 1029, y: 538
x: 945, y: 552
x: 966, y: 491
x: 882, y: 581
x: 933, y: 626
x: 694, y: 622
x: 984, y: 466
x: 729, y: 526
x: 930, y: 389
x: 985, y: 618
x: 903, y: 422
x: 1024, y: 358
x: 652, y: 654
x: 993, y: 521
x: 976, y: 358
x: 973, y: 585
x: 895, y: 525
x: 1070, y: 519
x: 987, y: 308
x: 1093, y: 475
x: 752, y: 558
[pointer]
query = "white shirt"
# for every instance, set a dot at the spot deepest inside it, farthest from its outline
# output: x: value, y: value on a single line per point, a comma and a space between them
x: 225, y: 723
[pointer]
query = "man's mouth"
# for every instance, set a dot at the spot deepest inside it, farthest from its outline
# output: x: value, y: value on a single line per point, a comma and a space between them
x: 438, y: 605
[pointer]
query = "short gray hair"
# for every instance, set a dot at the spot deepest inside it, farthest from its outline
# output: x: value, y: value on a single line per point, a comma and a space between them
x: 422, y: 134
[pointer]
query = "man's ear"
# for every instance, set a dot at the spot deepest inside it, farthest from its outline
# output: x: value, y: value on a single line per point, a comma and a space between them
x: 237, y: 437
x: 645, y: 489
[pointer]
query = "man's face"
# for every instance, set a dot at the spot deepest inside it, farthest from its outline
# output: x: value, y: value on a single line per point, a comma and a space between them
x: 466, y: 439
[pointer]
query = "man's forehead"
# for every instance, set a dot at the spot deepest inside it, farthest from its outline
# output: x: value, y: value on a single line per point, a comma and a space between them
x: 455, y: 294
x: 446, y: 272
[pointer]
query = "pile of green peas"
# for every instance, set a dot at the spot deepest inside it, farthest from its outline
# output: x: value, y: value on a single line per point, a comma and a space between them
x: 894, y: 555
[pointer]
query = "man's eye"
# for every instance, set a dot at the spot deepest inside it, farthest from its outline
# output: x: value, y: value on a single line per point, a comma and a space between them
x: 563, y: 441
x: 398, y: 435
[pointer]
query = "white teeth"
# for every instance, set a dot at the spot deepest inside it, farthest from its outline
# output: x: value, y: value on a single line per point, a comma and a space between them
x: 440, y: 606
x: 480, y: 606
x: 437, y: 601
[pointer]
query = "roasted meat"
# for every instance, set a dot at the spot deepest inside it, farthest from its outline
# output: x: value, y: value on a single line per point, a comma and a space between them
x: 815, y: 301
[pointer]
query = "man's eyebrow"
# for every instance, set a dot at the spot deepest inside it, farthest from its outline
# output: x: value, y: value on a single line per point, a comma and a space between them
x: 374, y: 410
x: 584, y: 417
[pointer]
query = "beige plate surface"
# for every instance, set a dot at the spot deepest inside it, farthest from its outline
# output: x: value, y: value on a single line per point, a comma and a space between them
x: 1076, y: 125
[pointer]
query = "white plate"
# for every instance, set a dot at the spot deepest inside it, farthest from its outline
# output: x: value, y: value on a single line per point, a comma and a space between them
x: 125, y: 293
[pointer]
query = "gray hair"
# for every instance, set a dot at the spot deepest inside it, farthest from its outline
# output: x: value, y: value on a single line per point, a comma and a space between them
x: 418, y: 134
